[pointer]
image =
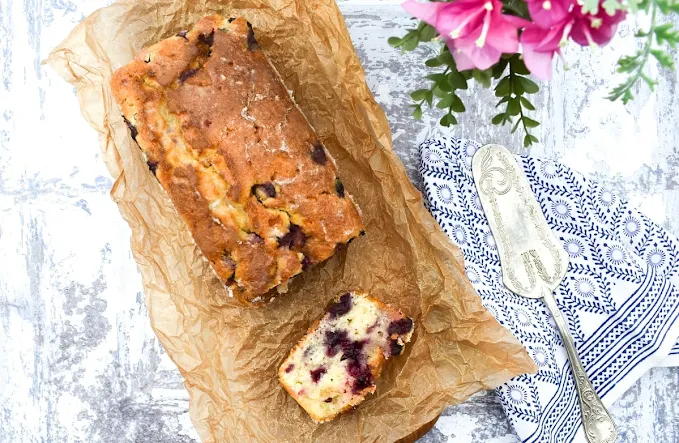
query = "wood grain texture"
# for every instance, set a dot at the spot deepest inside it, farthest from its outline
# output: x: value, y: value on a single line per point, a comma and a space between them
x: 80, y: 362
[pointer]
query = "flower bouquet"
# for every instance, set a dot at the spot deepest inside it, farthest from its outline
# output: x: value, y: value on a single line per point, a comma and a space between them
x: 501, y: 42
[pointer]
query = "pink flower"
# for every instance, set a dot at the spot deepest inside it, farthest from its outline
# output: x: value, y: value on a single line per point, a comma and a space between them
x: 596, y: 29
x: 476, y: 31
x: 547, y: 13
x: 539, y: 44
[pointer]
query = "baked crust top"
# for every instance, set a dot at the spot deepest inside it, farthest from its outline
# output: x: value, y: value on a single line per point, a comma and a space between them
x: 259, y: 192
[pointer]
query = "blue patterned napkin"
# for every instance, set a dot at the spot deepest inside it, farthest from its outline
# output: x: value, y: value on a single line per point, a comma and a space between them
x: 619, y: 296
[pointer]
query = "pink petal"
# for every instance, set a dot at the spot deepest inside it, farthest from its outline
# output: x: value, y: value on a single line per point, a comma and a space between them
x: 604, y: 34
x: 546, y: 18
x: 601, y: 35
x: 538, y: 63
x: 469, y: 5
x: 502, y: 35
x: 462, y: 61
x: 468, y: 41
x: 543, y: 40
x: 462, y: 16
x: 517, y: 22
x: 532, y: 34
x: 481, y: 58
x: 551, y: 40
x: 426, y: 12
x: 446, y: 17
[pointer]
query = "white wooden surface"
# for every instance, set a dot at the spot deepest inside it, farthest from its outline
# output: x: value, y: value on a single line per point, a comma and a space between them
x: 78, y: 360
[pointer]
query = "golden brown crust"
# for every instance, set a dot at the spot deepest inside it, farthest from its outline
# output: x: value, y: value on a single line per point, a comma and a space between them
x: 241, y: 164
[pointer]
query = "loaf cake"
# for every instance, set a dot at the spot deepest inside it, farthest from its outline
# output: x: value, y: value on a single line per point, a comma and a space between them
x: 337, y: 363
x: 259, y: 192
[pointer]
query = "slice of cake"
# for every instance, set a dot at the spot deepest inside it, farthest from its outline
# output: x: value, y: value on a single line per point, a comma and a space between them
x: 339, y: 360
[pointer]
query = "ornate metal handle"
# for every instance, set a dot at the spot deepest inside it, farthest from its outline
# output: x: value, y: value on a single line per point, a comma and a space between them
x: 597, y: 421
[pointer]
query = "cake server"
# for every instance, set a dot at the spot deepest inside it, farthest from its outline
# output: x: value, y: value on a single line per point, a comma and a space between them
x: 533, y: 263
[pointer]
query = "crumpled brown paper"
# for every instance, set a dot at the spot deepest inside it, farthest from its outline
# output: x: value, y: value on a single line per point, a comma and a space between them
x: 229, y: 355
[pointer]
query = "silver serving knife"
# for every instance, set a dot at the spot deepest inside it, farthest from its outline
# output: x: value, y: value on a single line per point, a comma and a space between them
x: 533, y: 263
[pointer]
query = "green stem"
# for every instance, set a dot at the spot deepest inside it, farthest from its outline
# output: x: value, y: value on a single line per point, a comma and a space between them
x: 645, y: 53
x: 511, y: 85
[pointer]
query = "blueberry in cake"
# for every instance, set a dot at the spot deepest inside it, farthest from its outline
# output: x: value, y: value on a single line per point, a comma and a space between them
x: 259, y: 192
x: 337, y: 363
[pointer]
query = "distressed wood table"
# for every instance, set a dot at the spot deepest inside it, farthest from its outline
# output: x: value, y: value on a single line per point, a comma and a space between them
x: 78, y: 359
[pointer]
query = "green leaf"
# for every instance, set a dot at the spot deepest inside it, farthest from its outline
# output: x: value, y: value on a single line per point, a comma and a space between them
x: 664, y: 27
x: 440, y: 93
x: 517, y: 7
x: 503, y: 87
x: 590, y: 7
x: 644, y: 5
x: 628, y: 63
x: 438, y: 78
x: 527, y: 104
x: 516, y: 125
x: 419, y: 95
x: 429, y: 96
x: 517, y: 87
x: 446, y: 57
x: 633, y: 6
x: 610, y: 6
x: 514, y: 107
x: 457, y: 80
x: 518, y: 66
x: 499, y: 119
x: 410, y: 42
x: 394, y: 41
x: 623, y: 91
x: 503, y: 100
x: 666, y: 33
x: 529, y: 85
x: 447, y: 120
x: 457, y: 104
x: 499, y: 68
x: 445, y: 86
x: 483, y: 77
x: 428, y: 32
x: 649, y: 81
x: 668, y: 6
x: 663, y: 58
x: 529, y: 139
x: 417, y: 113
x: 445, y: 102
x: 530, y: 123
x: 433, y: 62
x: 627, y: 97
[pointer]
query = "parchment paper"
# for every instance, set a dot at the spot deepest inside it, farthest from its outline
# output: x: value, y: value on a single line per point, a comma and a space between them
x: 228, y: 354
